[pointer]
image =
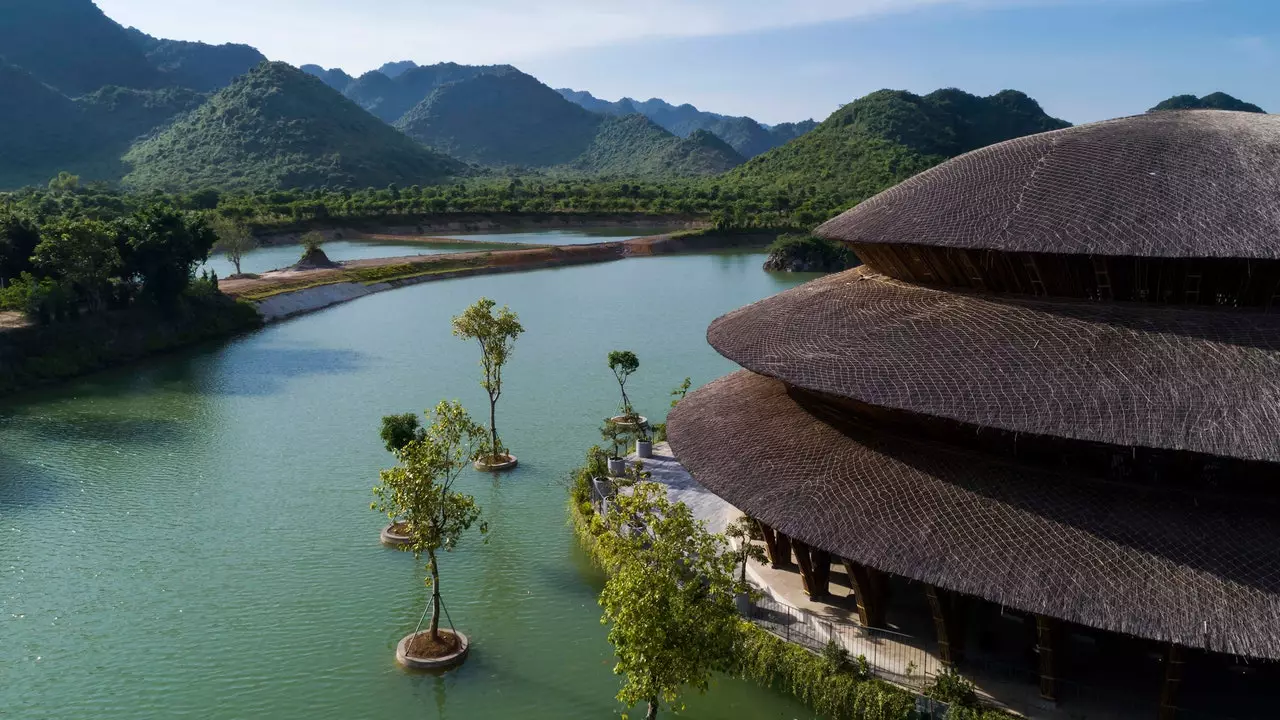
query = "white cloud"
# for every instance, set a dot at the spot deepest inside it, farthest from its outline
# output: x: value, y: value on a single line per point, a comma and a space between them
x: 360, y: 34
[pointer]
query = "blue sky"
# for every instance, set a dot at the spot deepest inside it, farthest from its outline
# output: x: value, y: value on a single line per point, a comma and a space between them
x: 778, y: 60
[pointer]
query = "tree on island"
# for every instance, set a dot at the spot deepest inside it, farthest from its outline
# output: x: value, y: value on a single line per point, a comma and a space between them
x: 496, y: 334
x: 419, y: 492
x: 234, y: 238
x: 669, y: 598
x: 623, y: 363
x: 81, y: 252
x: 400, y: 430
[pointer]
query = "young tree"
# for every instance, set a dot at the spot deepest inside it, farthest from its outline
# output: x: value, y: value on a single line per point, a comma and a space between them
x: 234, y: 238
x: 311, y: 242
x: 496, y: 334
x: 623, y: 363
x: 681, y: 390
x: 400, y: 430
x: 668, y: 599
x: 419, y: 492
x: 80, y: 252
x: 740, y: 530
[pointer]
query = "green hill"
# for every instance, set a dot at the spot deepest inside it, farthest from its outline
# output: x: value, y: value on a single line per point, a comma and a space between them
x: 278, y: 127
x: 1213, y: 101
x: 122, y: 115
x: 634, y: 145
x: 41, y: 130
x: 503, y: 119
x: 72, y: 46
x: 390, y: 97
x: 196, y: 65
x: 887, y: 136
x: 335, y: 78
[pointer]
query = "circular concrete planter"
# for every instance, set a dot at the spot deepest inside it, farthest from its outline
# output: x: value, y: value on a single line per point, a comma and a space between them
x: 496, y: 467
x: 623, y: 421
x: 392, y: 539
x: 444, y: 662
x: 644, y: 449
x: 617, y: 467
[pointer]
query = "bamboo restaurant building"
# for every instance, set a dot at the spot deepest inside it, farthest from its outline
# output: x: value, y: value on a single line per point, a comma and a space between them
x: 1051, y: 391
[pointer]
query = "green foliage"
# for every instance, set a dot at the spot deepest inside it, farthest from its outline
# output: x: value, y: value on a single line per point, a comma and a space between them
x: 400, y: 430
x: 951, y: 687
x: 311, y: 242
x: 419, y: 492
x: 81, y: 252
x: 668, y: 599
x: 617, y: 436
x: 807, y: 253
x: 496, y: 335
x: 277, y: 127
x: 596, y: 465
x: 681, y: 390
x: 390, y: 97
x: 1212, y: 101
x: 624, y: 363
x: 810, y: 678
x: 166, y: 246
x: 19, y: 236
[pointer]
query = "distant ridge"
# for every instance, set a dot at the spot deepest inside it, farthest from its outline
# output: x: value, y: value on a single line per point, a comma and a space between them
x: 1213, y: 101
x: 389, y: 98
x: 278, y: 127
x: 195, y: 65
x: 335, y: 78
x: 748, y: 137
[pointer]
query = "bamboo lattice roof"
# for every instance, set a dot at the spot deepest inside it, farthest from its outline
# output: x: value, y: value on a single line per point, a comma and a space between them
x: 1195, y: 183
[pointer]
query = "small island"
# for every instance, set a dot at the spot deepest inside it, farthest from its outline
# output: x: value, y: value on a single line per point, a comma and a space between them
x: 806, y: 253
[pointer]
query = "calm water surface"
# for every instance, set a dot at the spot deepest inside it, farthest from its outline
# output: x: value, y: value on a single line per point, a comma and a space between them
x: 274, y: 257
x: 191, y: 537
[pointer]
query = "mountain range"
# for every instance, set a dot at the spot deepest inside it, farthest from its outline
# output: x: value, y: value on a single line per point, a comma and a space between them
x: 79, y: 92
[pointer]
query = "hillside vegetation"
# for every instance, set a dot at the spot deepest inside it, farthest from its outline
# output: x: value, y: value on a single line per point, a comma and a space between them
x: 634, y: 145
x: 196, y: 65
x: 879, y: 140
x: 507, y: 119
x: 1213, y: 101
x: 278, y: 127
x: 72, y: 46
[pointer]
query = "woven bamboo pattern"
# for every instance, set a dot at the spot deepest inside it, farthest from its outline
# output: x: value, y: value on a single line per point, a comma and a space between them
x: 1202, y: 380
x: 1168, y: 566
x: 1196, y: 183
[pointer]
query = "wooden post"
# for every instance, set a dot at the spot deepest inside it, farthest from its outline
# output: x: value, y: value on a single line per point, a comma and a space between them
x: 945, y: 622
x: 783, y: 558
x: 821, y: 561
x: 867, y: 584
x: 805, y: 560
x: 1173, y: 667
x: 1048, y: 642
x: 770, y: 543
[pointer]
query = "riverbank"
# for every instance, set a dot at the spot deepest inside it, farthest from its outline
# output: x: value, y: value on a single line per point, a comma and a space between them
x: 32, y: 355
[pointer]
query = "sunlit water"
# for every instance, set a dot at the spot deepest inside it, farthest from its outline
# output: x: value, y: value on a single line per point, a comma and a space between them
x: 274, y: 257
x: 191, y: 537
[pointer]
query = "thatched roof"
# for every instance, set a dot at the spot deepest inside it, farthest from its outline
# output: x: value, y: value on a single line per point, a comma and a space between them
x: 1164, y: 566
x: 1205, y: 381
x: 1198, y: 183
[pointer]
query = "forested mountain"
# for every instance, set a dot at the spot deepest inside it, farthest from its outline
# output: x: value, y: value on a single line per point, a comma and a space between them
x: 278, y: 127
x: 506, y: 119
x: 634, y: 145
x: 40, y: 129
x: 122, y: 115
x: 196, y: 65
x: 748, y: 137
x: 881, y: 139
x: 1213, y: 101
x: 335, y: 78
x: 392, y: 69
x: 72, y: 46
x: 390, y: 98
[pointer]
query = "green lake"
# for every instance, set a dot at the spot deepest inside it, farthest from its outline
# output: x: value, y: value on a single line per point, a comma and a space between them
x: 191, y: 536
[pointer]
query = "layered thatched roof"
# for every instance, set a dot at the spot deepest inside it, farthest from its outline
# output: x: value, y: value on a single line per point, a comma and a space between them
x: 1200, y: 380
x: 1165, y: 566
x: 1198, y: 183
